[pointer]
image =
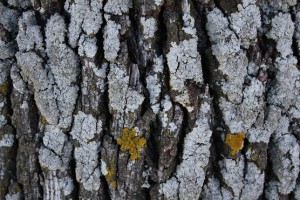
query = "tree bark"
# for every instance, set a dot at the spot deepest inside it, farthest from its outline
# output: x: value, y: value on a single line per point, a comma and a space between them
x: 155, y: 99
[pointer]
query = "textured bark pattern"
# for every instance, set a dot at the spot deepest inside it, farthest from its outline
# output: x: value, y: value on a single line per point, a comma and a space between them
x: 152, y: 99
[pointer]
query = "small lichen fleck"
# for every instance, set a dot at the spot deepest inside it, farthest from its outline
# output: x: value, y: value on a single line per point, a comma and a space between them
x: 43, y: 120
x: 110, y: 177
x: 129, y: 141
x: 4, y: 88
x: 235, y: 141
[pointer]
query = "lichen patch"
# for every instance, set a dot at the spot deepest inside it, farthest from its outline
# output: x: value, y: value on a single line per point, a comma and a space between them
x: 235, y: 141
x: 129, y: 141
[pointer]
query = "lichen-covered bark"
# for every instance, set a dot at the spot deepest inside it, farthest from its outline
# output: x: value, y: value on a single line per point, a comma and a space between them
x: 157, y: 99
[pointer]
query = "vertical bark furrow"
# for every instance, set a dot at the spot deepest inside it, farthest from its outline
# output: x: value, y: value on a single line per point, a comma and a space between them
x: 8, y: 142
x: 28, y: 168
x: 126, y: 95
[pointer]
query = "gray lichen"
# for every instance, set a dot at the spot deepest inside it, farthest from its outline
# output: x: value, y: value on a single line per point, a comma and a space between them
x: 86, y: 132
x: 280, y: 5
x: 232, y: 60
x: 55, y: 154
x: 271, y: 191
x: 86, y: 16
x: 29, y: 37
x: 154, y: 85
x: 285, y: 91
x: 122, y: 98
x: 34, y: 73
x: 214, y: 191
x: 111, y: 44
x: 54, y: 158
x: 149, y: 27
x: 20, y: 3
x: 246, y: 21
x: 184, y: 63
x: 285, y: 157
x: 254, y: 181
x: 282, y: 32
x: 232, y: 173
x: 18, y: 82
x: 190, y: 173
x: 8, y: 18
x: 241, y: 117
x: 55, y: 92
x: 64, y: 67
x: 7, y: 140
x: 117, y: 7
x: 87, y: 46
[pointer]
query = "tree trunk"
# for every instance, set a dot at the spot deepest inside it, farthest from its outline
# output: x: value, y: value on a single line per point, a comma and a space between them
x: 149, y: 99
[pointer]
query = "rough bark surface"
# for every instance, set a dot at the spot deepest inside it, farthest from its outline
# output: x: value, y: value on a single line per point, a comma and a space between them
x: 149, y: 99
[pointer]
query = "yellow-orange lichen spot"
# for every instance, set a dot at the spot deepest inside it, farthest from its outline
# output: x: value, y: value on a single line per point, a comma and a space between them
x: 235, y: 141
x: 43, y: 120
x: 4, y: 88
x: 110, y: 177
x: 129, y: 141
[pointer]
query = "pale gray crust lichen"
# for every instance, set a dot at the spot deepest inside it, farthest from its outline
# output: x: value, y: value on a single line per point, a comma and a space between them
x: 86, y: 16
x: 190, y: 173
x: 54, y: 158
x: 86, y: 133
x: 284, y: 95
x: 55, y: 92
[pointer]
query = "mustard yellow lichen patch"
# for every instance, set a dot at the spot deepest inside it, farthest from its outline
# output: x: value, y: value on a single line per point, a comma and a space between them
x: 235, y: 141
x: 43, y: 120
x: 131, y: 114
x: 255, y: 156
x: 169, y: 134
x: 129, y: 141
x: 110, y: 177
x: 4, y: 88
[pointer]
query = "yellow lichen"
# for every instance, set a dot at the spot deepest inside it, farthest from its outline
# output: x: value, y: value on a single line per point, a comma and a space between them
x: 129, y: 141
x: 169, y: 134
x: 43, y: 120
x: 4, y: 88
x: 255, y: 156
x: 110, y: 177
x: 235, y: 141
x: 131, y: 114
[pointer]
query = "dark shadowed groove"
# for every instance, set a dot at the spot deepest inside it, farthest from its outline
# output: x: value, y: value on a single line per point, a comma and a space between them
x: 133, y: 37
x: 185, y: 129
x: 186, y: 123
x: 76, y: 185
x: 37, y: 142
x: 136, y: 55
x: 152, y: 143
x: 294, y: 44
x: 105, y: 188
x: 15, y: 147
x: 161, y: 44
x: 100, y: 59
x: 4, y: 2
